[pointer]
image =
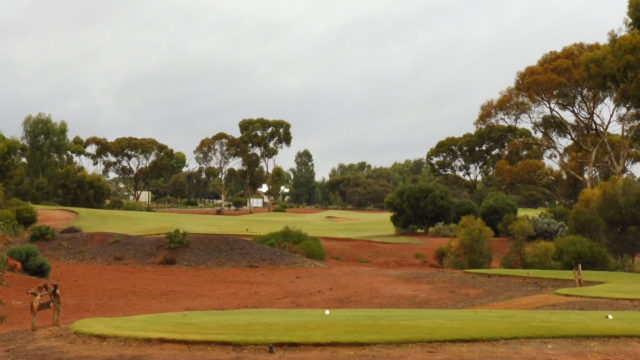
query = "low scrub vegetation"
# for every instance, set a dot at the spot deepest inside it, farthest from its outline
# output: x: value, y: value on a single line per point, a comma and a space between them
x: 295, y: 241
x: 470, y: 250
x: 177, y: 239
x: 42, y: 233
x: 32, y: 262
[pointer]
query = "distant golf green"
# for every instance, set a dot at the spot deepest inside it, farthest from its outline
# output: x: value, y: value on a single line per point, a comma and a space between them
x: 529, y: 211
x: 616, y: 285
x: 361, y: 326
x: 332, y: 223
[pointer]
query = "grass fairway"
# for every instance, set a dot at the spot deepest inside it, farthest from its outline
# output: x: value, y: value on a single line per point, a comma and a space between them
x: 616, y: 285
x: 354, y: 225
x: 529, y: 212
x: 361, y: 326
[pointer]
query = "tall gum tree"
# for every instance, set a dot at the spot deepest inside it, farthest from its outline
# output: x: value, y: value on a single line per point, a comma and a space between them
x: 565, y: 102
x: 266, y: 138
x: 219, y: 151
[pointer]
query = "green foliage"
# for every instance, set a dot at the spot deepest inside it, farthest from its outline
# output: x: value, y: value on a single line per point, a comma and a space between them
x: 574, y: 249
x: 464, y: 207
x: 520, y: 230
x: 470, y: 250
x: 32, y: 263
x: 294, y: 240
x: 584, y: 219
x: 280, y: 209
x: 495, y: 207
x: 115, y: 204
x: 42, y: 233
x: 419, y: 256
x: 134, y: 206
x: 503, y: 226
x: 548, y: 228
x: 238, y: 202
x: 441, y: 254
x: 419, y: 206
x: 558, y: 213
x: 177, y: 239
x: 25, y: 214
x: 443, y: 230
x: 303, y: 183
x: 46, y: 145
x: 539, y: 255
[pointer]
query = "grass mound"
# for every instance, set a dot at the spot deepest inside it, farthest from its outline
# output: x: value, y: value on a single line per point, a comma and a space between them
x: 616, y: 285
x: 361, y: 326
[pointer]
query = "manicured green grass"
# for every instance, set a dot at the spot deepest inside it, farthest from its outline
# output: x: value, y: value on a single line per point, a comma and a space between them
x: 616, y: 285
x: 359, y: 226
x: 362, y: 326
x: 529, y: 211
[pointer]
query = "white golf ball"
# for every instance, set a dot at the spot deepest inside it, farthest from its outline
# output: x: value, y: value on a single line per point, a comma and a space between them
x: 609, y: 316
x: 327, y: 312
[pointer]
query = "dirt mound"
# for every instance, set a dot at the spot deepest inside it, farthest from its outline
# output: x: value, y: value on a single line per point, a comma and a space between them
x: 203, y: 250
x: 56, y: 218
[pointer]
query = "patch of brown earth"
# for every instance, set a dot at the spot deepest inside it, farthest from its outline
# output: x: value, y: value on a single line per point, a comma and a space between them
x: 56, y: 218
x: 203, y: 250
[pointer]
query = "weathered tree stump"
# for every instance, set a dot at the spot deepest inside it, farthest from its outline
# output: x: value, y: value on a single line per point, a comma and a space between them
x: 577, y: 275
x: 50, y: 290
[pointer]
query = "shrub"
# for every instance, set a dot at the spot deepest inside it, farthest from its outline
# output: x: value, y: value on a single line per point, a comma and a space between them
x: 189, y: 202
x: 134, y: 206
x: 470, y: 250
x: 420, y: 206
x: 503, y: 226
x: 42, y: 233
x: 495, y: 207
x: 8, y: 224
x: 49, y: 203
x: 32, y: 263
x: 25, y: 213
x: 443, y: 230
x: 546, y: 227
x: 575, y: 249
x: 115, y: 204
x: 280, y: 209
x: 520, y: 231
x: 539, y: 255
x: 440, y: 255
x: 558, y: 213
x: 70, y: 230
x: 584, y: 219
x: 238, y: 202
x: 177, y: 239
x: 464, y: 207
x: 294, y: 240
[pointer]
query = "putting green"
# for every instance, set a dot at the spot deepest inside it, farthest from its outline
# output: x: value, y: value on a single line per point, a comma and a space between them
x: 616, y: 285
x: 361, y: 326
x: 358, y: 226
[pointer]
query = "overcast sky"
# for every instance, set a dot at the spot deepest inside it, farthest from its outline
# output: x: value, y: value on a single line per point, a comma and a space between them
x: 379, y: 81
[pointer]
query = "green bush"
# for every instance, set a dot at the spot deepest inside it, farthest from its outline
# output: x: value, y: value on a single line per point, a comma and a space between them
x: 134, y: 206
x: 177, y: 239
x: 575, y: 249
x: 420, y: 206
x: 8, y: 224
x: 539, y: 255
x: 443, y: 230
x: 115, y: 204
x: 470, y: 250
x: 464, y: 207
x: 548, y: 228
x: 495, y: 207
x: 295, y: 241
x: 42, y: 233
x: 558, y: 213
x: 520, y: 231
x: 238, y: 202
x: 32, y: 263
x: 503, y: 226
x: 280, y: 209
x: 25, y: 214
x: 189, y: 202
x: 440, y: 255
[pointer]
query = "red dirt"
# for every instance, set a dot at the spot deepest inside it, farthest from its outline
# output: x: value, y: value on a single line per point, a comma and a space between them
x: 392, y: 279
x: 56, y: 218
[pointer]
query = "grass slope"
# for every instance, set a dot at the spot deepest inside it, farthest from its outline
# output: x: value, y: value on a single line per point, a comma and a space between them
x: 616, y: 285
x: 361, y: 326
x: 359, y: 226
